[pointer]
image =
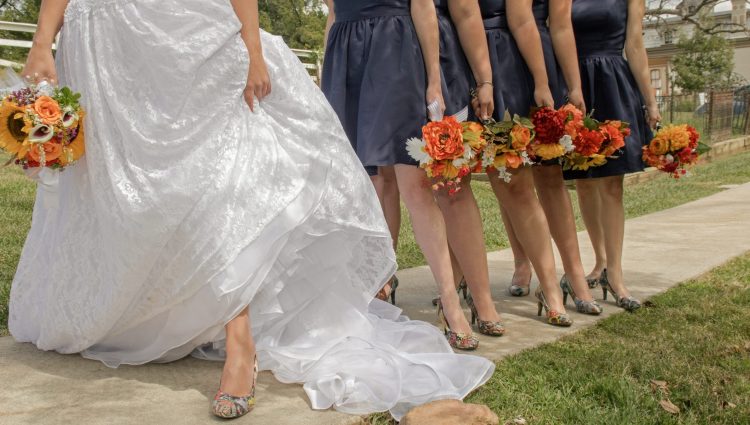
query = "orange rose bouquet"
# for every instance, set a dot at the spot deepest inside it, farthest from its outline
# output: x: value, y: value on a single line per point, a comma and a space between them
x: 593, y: 141
x: 508, y: 145
x: 674, y: 149
x: 448, y: 151
x: 41, y: 126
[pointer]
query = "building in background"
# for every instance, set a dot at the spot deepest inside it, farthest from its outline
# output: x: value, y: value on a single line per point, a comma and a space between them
x: 661, y: 37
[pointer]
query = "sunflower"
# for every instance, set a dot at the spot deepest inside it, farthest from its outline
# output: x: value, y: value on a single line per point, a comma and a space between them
x: 77, y: 147
x: 12, y: 136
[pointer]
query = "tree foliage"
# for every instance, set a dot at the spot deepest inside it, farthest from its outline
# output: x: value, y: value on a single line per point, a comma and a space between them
x: 693, y: 12
x: 705, y: 61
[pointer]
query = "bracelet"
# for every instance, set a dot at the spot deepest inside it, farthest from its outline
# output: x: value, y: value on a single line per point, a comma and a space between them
x: 485, y: 83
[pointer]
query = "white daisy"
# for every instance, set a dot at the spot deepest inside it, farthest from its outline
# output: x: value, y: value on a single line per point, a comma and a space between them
x: 415, y: 149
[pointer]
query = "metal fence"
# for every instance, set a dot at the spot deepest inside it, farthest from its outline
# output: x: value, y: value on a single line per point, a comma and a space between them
x: 310, y: 59
x: 717, y: 115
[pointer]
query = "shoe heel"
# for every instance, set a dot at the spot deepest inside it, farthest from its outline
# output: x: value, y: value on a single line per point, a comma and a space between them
x: 604, y: 292
x: 541, y: 307
x: 565, y: 297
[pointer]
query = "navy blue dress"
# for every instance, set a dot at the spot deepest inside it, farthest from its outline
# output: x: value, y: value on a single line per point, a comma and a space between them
x: 512, y: 80
x: 375, y: 79
x: 458, y: 79
x: 609, y: 88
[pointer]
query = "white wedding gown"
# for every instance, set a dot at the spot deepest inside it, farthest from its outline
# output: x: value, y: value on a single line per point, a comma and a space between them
x: 188, y: 207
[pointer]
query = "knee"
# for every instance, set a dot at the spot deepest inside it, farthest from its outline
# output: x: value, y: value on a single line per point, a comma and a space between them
x: 612, y: 189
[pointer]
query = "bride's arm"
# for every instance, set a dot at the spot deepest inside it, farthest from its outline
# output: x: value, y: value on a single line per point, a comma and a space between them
x: 40, y: 63
x: 258, y: 81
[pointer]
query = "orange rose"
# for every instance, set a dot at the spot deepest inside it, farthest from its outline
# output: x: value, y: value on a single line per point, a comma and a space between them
x: 658, y: 146
x: 444, y: 139
x: 52, y: 151
x: 512, y: 160
x: 520, y: 137
x: 48, y: 110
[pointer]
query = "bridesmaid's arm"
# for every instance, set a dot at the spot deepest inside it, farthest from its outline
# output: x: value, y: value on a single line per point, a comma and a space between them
x: 329, y: 22
x: 635, y: 51
x: 425, y: 22
x: 40, y: 64
x: 564, y: 43
x: 523, y: 27
x: 468, y: 20
x: 258, y: 81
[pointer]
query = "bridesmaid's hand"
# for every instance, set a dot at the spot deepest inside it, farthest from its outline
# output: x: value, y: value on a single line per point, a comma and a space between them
x: 543, y: 97
x: 40, y: 65
x: 575, y: 97
x: 435, y: 92
x: 484, y: 102
x: 258, y: 81
x: 653, y: 115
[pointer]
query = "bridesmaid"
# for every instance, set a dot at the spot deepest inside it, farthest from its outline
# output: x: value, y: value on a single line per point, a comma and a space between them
x: 460, y: 24
x: 512, y: 62
x: 381, y: 70
x: 614, y: 88
x: 558, y: 44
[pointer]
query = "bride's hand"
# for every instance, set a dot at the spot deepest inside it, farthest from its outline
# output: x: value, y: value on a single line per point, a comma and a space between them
x: 40, y: 65
x: 258, y: 81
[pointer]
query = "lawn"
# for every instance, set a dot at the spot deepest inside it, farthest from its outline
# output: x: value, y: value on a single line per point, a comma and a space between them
x: 16, y: 201
x: 690, y: 347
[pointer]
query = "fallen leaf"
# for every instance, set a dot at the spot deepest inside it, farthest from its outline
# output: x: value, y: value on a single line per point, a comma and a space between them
x: 669, y: 407
x: 517, y: 421
x: 659, y: 386
x: 728, y: 405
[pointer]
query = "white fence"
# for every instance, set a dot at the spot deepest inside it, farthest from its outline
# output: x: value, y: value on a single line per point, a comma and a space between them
x: 309, y: 58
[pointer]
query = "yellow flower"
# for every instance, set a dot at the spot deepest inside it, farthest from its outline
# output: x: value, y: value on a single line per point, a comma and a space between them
x: 548, y: 151
x: 677, y: 136
x: 75, y: 150
x: 12, y: 135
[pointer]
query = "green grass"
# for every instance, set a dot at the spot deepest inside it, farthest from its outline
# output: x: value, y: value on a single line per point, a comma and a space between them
x: 655, y: 195
x: 695, y: 338
x: 17, y: 196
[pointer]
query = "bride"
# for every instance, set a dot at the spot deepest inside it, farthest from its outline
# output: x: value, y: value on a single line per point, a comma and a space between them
x: 217, y: 217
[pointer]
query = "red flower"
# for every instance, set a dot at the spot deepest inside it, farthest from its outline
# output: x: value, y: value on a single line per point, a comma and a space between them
x: 686, y: 156
x: 549, y: 126
x: 589, y: 142
x: 694, y: 136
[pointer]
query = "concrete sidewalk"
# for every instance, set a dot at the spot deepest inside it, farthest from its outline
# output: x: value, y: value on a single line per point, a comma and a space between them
x: 661, y: 250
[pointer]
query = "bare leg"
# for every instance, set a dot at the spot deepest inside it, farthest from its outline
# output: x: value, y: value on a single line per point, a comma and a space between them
x: 522, y: 265
x: 558, y: 208
x: 613, y: 221
x: 391, y: 203
x: 237, y: 377
x: 530, y: 224
x: 590, y: 201
x: 464, y: 228
x: 430, y: 233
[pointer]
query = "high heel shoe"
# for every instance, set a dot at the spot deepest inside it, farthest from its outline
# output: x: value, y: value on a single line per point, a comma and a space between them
x: 231, y: 407
x: 586, y: 307
x: 463, y: 286
x: 518, y: 290
x: 554, y: 317
x: 383, y: 294
x: 594, y: 281
x: 460, y: 341
x: 626, y: 303
x: 484, y: 327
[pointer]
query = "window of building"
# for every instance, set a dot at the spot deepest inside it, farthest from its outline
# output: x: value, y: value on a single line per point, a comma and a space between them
x: 656, y: 79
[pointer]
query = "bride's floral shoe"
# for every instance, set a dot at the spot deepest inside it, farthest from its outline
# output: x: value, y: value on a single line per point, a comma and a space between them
x: 231, y: 407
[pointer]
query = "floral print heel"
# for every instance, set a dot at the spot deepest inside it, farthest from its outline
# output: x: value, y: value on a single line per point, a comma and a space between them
x: 554, y: 318
x: 460, y: 341
x: 485, y: 327
x: 231, y: 407
x: 586, y: 307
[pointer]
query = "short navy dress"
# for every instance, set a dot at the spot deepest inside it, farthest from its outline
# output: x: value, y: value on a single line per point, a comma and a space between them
x: 609, y: 88
x: 512, y: 80
x: 375, y: 79
x: 458, y: 79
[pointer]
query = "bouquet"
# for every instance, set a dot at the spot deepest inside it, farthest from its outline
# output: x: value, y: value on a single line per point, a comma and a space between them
x: 552, y: 141
x: 448, y: 151
x: 674, y: 149
x: 593, y: 141
x: 508, y: 144
x: 41, y: 127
